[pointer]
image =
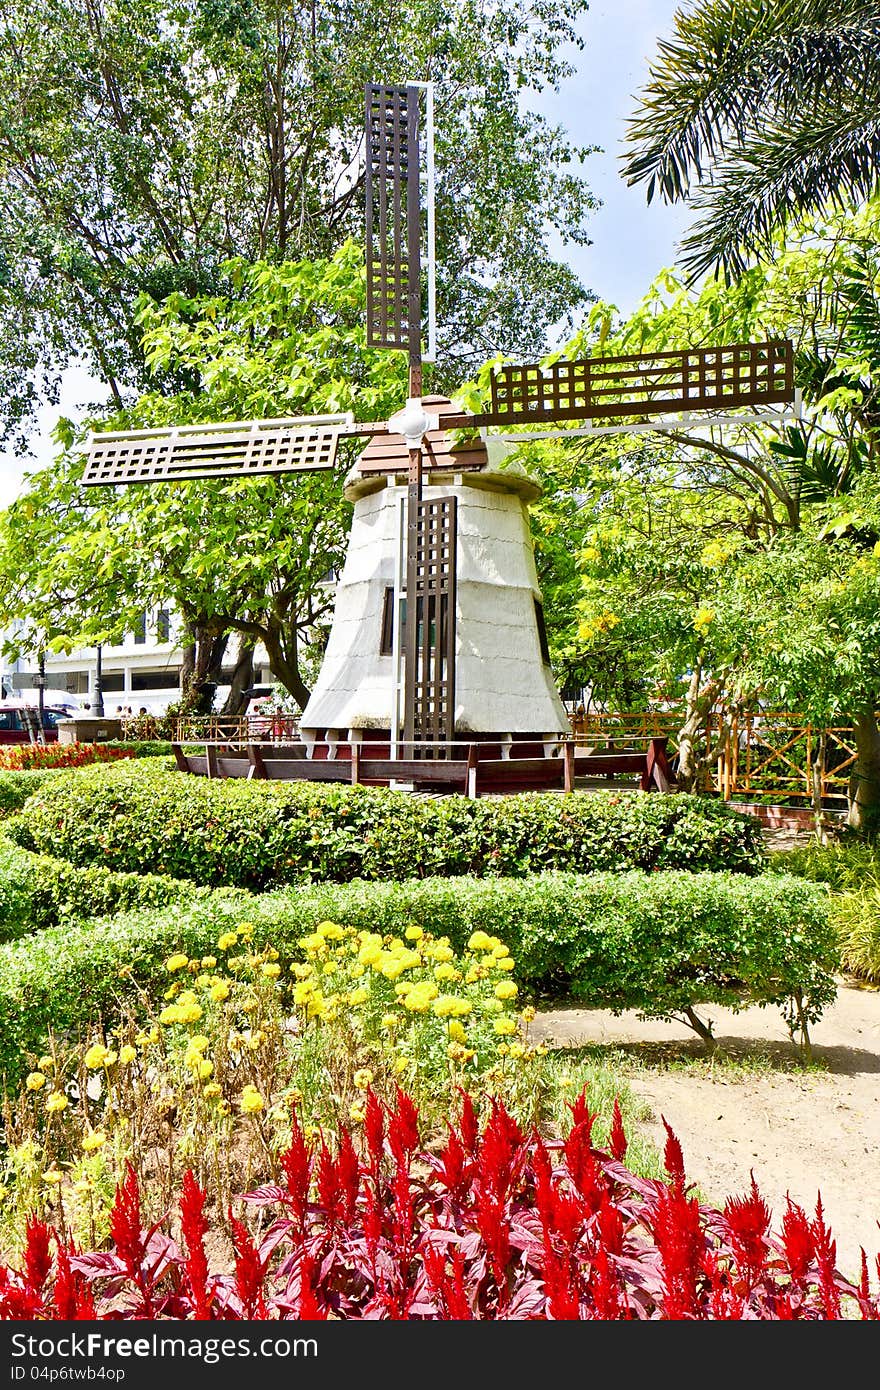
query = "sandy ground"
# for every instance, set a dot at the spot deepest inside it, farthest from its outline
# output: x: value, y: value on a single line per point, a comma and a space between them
x: 754, y: 1110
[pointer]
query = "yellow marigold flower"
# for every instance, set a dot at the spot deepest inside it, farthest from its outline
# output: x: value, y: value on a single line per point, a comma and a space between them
x: 203, y: 980
x: 479, y: 941
x: 357, y: 1114
x: 52, y: 1177
x: 199, y: 1042
x: 56, y: 1101
x: 147, y: 1039
x: 223, y: 1107
x: 302, y: 970
x: 172, y: 991
x: 400, y: 1064
x: 329, y: 967
x: 528, y: 1014
x: 357, y: 970
x: 251, y: 1102
x: 457, y: 1053
x: 96, y: 1056
x: 462, y: 1007
x: 389, y: 1022
x: 219, y: 991
x: 35, y: 1080
x: 189, y: 1013
x: 370, y: 954
x: 256, y: 1040
x: 456, y: 1030
x: 176, y: 962
x: 314, y: 942
x: 445, y: 972
x: 330, y: 930
x: 505, y: 963
x: 271, y: 970
x: 127, y: 1054
x: 516, y: 1050
x: 444, y: 1005
x: 94, y: 1141
x: 205, y: 1069
x: 303, y: 992
x: 227, y: 941
x: 209, y: 962
x: 419, y: 997
x: 440, y: 951
x: 363, y: 1078
x: 245, y: 930
x: 46, y: 1063
x: 111, y: 1059
x: 505, y: 1027
x: 212, y: 1090
x: 358, y: 996
x: 492, y: 1006
x: 414, y: 933
x: 506, y: 989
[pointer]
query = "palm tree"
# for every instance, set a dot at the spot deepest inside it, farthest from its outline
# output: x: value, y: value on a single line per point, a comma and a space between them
x: 759, y: 111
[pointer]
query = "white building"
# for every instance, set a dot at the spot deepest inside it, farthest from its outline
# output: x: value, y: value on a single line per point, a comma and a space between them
x: 142, y: 672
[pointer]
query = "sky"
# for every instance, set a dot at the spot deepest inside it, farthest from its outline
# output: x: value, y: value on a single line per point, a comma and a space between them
x: 631, y: 241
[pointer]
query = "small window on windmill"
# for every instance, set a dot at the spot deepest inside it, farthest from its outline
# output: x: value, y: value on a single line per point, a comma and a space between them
x: 542, y: 632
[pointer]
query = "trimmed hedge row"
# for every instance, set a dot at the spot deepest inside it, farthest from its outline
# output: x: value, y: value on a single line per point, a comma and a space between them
x: 37, y: 891
x: 16, y: 787
x: 657, y: 942
x: 138, y: 817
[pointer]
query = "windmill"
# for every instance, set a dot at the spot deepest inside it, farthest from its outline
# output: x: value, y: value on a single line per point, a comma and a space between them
x: 588, y: 396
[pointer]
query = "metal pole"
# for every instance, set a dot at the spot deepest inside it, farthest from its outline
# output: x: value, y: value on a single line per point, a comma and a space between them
x: 41, y: 699
x: 98, y: 694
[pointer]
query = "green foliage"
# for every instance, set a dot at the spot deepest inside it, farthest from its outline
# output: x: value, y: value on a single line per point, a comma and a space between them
x: 656, y: 942
x: 852, y: 872
x: 256, y: 834
x: 16, y: 787
x: 37, y: 890
x: 753, y: 113
x: 143, y: 143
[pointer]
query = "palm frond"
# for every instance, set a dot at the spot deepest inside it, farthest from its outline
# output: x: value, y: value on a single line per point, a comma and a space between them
x: 829, y: 156
x: 733, y: 64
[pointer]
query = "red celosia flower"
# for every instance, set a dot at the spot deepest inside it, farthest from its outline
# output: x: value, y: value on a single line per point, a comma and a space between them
x: 249, y: 1271
x: 194, y: 1228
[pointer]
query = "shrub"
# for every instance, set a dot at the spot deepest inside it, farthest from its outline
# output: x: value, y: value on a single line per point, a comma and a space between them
x: 851, y: 870
x: 37, y: 891
x: 660, y: 943
x: 496, y: 1225
x: 254, y: 835
x: 16, y: 787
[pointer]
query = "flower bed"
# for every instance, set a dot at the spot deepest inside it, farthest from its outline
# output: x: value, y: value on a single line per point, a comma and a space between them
x: 39, y: 755
x: 497, y: 1224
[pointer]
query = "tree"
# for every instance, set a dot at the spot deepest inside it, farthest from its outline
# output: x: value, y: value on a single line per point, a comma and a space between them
x: 657, y: 510
x: 759, y: 112
x: 246, y: 556
x: 143, y: 143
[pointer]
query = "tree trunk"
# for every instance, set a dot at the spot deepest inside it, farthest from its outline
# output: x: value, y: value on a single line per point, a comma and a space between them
x: 242, y: 677
x: 864, y: 782
x: 283, y: 663
x: 689, y: 761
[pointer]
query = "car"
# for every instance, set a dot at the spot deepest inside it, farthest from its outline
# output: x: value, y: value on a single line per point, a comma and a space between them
x: 19, y: 722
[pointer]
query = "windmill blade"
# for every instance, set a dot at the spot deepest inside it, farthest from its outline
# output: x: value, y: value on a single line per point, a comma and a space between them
x: 238, y: 449
x: 641, y: 385
x: 393, y: 228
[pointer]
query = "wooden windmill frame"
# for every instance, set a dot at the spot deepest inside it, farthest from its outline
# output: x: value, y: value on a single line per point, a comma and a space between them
x: 654, y: 391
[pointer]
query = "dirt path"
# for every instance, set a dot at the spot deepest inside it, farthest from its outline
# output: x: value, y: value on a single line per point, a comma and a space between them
x: 800, y: 1131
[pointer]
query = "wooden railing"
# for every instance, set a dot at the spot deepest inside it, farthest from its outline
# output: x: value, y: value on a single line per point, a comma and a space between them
x: 764, y: 756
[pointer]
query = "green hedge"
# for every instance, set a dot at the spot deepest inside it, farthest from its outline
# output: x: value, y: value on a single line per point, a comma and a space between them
x: 16, y: 787
x: 37, y: 891
x: 138, y: 817
x: 654, y: 942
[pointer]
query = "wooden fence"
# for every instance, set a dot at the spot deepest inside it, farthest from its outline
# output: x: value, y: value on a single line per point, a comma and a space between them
x: 765, y: 756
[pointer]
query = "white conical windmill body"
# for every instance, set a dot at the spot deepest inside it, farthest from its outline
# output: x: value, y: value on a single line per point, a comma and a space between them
x: 437, y: 635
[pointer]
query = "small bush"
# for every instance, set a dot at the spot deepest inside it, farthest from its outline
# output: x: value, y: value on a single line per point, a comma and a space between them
x: 491, y: 1225
x: 254, y: 835
x: 852, y: 872
x: 37, y: 891
x: 16, y: 787
x: 659, y: 943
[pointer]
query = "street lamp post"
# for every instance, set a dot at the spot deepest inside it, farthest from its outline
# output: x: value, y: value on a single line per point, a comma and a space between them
x: 97, y: 693
x: 41, y: 698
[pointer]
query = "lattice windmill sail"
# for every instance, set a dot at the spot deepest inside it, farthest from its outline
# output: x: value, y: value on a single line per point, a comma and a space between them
x: 450, y: 638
